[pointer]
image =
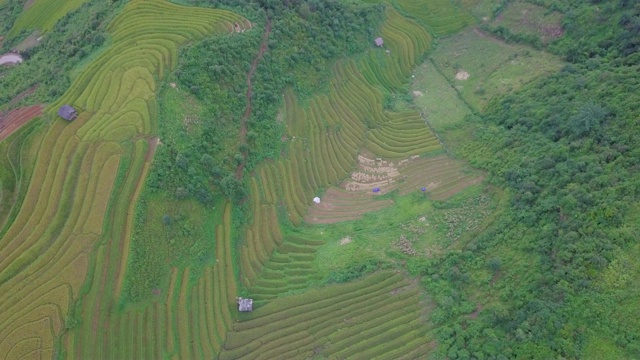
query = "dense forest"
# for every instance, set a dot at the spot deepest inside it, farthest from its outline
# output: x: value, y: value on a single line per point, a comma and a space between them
x: 567, y: 150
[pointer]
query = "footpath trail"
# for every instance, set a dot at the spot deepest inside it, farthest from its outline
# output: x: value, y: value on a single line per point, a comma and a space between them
x: 247, y: 112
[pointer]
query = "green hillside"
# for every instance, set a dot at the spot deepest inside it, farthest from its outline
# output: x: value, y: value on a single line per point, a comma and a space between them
x: 466, y: 188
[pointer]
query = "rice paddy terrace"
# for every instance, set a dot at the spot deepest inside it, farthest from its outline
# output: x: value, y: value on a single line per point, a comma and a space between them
x: 43, y: 14
x: 69, y: 242
x: 74, y: 223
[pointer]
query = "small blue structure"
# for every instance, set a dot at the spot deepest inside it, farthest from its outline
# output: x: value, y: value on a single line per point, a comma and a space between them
x: 424, y: 189
x: 67, y: 112
x: 376, y: 189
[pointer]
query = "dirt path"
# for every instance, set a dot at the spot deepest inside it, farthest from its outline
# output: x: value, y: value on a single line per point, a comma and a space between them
x: 13, y: 120
x: 484, y: 35
x: 247, y: 111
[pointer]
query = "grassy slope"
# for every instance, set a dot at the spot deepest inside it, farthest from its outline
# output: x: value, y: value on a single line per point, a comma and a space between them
x: 494, y: 67
x: 437, y: 98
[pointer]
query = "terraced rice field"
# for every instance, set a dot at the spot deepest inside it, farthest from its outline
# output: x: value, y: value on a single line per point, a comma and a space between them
x: 78, y: 209
x: 377, y: 317
x: 339, y: 205
x: 70, y: 240
x: 346, y: 143
x: 441, y: 175
x: 441, y: 16
x: 326, y: 137
x: 402, y: 136
x: 43, y: 14
x: 16, y: 167
x: 188, y: 320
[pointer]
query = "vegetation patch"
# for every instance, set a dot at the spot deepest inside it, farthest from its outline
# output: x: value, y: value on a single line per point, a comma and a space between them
x: 494, y: 67
x: 528, y: 23
x: 440, y: 103
x: 429, y: 229
x: 171, y: 233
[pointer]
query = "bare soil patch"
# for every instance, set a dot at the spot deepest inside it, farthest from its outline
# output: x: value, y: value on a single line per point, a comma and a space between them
x: 462, y: 75
x: 475, y: 313
x: 153, y: 145
x: 28, y: 4
x: 13, y: 120
x: 29, y: 42
x: 189, y: 121
x: 10, y: 59
x: 417, y: 93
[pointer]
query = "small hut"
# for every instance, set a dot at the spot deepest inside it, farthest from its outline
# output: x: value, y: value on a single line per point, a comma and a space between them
x: 245, y: 304
x: 67, y: 112
x: 379, y: 41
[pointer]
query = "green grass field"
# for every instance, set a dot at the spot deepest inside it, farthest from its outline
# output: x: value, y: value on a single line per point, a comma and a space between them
x: 492, y: 66
x: 438, y: 99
